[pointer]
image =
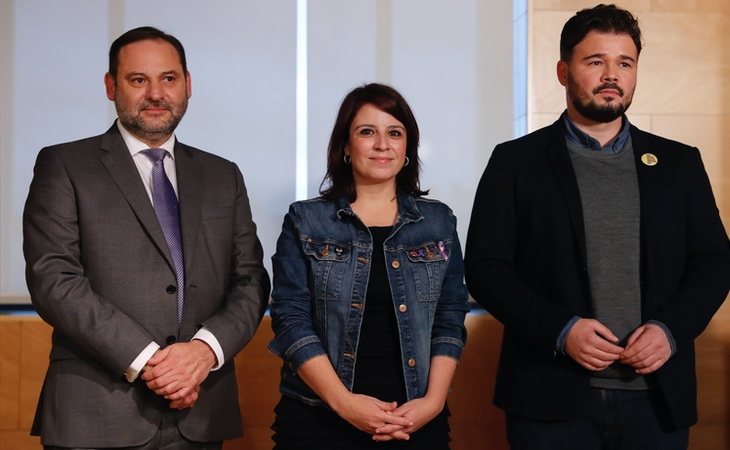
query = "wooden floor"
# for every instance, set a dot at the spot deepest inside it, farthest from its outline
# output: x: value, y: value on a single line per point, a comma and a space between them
x: 475, y: 423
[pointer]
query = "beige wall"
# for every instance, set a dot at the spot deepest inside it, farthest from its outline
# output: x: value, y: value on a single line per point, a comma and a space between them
x: 684, y: 71
x: 475, y: 423
x: 683, y: 93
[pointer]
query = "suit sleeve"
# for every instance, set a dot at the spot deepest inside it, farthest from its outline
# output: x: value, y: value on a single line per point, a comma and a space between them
x: 490, y: 260
x: 706, y: 279
x: 247, y: 296
x: 60, y: 292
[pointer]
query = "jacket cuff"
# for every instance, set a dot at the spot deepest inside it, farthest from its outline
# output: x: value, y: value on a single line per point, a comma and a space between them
x: 299, y: 352
x: 560, y: 344
x: 447, y: 346
x: 670, y: 337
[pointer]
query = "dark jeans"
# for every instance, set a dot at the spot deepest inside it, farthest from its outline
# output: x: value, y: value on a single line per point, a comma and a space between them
x: 613, y: 420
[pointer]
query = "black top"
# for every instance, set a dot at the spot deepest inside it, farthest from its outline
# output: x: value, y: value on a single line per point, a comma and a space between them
x: 379, y: 370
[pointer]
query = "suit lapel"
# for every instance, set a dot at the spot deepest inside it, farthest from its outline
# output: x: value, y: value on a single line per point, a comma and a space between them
x: 650, y: 194
x: 190, y: 182
x: 115, y: 156
x: 565, y: 176
x: 647, y: 175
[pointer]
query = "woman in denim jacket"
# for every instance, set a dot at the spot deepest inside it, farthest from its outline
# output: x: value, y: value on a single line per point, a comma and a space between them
x: 369, y: 300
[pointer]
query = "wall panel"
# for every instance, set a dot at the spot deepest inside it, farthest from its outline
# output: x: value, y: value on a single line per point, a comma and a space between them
x: 475, y: 423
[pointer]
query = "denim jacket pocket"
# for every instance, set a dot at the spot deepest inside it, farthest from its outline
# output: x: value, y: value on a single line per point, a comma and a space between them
x: 329, y: 261
x: 428, y: 264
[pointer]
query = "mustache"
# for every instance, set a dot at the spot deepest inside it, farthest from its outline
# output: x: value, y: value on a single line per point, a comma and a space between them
x: 158, y: 104
x: 614, y: 86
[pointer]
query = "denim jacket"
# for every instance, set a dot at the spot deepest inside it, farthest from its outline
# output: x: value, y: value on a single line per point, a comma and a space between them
x: 321, y: 270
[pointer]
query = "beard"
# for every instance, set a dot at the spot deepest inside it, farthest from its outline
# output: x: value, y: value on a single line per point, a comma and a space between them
x: 132, y: 120
x: 588, y: 108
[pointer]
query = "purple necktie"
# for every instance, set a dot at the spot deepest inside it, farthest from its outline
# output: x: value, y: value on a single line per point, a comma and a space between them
x: 168, y: 214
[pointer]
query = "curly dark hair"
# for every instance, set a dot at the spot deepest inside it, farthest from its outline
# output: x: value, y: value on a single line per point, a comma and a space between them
x: 602, y: 18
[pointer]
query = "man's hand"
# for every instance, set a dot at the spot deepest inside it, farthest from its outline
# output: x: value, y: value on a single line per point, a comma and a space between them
x: 188, y: 400
x: 592, y: 345
x: 647, y: 349
x: 177, y: 371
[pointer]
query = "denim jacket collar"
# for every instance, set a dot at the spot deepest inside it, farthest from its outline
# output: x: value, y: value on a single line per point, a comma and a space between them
x: 407, y: 210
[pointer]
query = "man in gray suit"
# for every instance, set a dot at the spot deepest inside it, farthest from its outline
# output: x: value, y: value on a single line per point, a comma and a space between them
x: 142, y: 255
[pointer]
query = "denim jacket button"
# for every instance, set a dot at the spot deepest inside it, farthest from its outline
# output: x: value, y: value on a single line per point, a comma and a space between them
x: 402, y: 308
x: 395, y: 264
x: 411, y: 362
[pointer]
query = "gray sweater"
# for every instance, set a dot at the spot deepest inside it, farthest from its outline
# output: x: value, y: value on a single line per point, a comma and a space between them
x: 609, y: 193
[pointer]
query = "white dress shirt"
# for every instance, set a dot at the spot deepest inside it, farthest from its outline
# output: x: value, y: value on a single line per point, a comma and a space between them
x: 144, y: 165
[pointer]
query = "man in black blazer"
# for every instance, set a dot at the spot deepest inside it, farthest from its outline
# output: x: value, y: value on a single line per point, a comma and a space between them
x: 150, y: 298
x: 600, y: 249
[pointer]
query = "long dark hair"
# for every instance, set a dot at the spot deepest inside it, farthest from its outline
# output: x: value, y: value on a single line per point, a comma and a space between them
x: 339, y: 180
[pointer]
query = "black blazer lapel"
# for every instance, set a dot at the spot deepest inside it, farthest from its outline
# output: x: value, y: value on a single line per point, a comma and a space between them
x: 565, y: 176
x: 115, y: 156
x: 650, y: 177
x: 651, y: 199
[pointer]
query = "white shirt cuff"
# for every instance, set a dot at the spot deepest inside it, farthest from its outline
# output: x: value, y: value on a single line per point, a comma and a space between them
x: 207, y: 337
x: 139, y: 362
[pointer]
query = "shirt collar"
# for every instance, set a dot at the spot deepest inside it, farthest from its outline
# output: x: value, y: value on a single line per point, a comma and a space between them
x: 578, y: 137
x: 135, y: 145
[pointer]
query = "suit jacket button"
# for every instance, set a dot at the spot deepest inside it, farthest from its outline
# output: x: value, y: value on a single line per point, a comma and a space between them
x: 170, y: 289
x: 169, y: 340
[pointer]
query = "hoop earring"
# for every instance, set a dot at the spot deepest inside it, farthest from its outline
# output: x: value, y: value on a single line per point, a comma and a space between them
x: 408, y: 161
x: 347, y: 159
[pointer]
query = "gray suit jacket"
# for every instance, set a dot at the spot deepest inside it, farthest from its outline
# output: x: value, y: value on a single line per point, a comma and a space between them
x: 98, y: 270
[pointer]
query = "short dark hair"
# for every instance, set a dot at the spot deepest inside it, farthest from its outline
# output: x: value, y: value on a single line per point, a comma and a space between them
x: 339, y: 178
x: 602, y: 18
x: 143, y: 34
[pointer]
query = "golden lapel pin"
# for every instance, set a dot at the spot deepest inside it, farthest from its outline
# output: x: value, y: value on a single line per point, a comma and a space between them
x: 649, y: 159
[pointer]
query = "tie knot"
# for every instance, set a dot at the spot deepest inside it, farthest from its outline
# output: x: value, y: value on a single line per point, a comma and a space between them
x: 155, y: 154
